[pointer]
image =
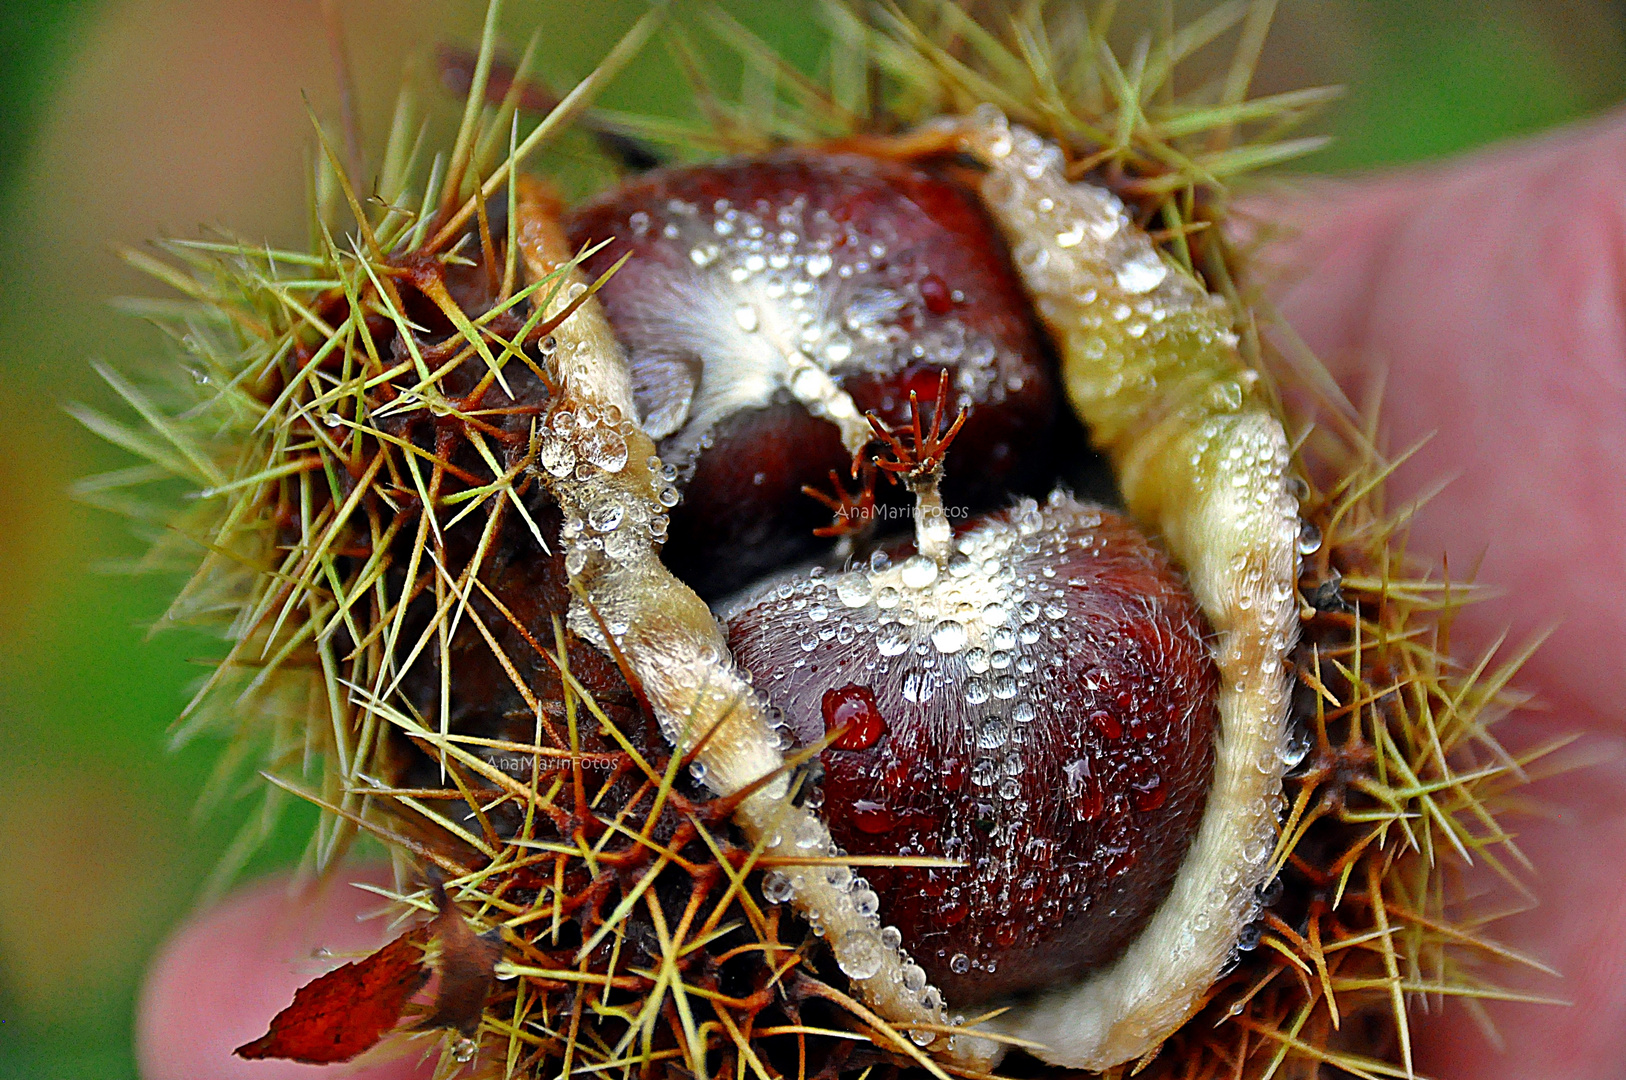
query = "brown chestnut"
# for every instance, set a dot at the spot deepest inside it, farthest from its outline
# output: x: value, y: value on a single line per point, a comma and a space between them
x: 1038, y: 707
x: 770, y: 303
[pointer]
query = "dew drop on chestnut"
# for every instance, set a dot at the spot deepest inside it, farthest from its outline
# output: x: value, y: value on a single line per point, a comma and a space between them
x: 1058, y: 744
x: 935, y: 294
x: 852, y: 711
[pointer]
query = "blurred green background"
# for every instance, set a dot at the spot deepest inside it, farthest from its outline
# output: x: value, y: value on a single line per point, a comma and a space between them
x: 124, y: 119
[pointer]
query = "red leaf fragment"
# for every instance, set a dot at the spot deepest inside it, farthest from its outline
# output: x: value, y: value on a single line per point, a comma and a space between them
x: 337, y: 1016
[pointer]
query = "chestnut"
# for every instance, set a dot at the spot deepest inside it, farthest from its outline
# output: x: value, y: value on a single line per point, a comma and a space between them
x: 770, y: 303
x: 1038, y: 709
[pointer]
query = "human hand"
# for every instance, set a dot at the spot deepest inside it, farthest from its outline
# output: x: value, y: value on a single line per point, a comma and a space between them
x: 1487, y: 298
x: 218, y: 981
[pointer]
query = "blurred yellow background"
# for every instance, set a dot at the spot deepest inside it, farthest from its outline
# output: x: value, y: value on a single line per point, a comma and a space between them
x: 126, y: 119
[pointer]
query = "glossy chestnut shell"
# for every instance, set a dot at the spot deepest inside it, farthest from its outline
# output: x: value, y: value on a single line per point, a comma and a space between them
x: 1042, y: 711
x: 753, y: 283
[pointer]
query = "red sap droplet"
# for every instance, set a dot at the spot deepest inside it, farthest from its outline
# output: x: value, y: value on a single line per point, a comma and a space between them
x: 1005, y: 933
x: 935, y: 292
x: 872, y: 817
x: 853, y: 708
x: 1148, y: 792
x: 954, y: 912
x: 1089, y: 802
x: 1106, y: 723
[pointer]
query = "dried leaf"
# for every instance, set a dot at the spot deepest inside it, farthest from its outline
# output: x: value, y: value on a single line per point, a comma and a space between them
x: 339, y: 1015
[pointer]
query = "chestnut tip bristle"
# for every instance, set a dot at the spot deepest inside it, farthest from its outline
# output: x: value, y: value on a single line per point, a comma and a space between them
x: 854, y: 511
x: 926, y: 449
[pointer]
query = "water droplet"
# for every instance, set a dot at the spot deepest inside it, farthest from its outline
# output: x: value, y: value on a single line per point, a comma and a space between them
x: 746, y: 316
x: 917, y: 687
x: 936, y: 295
x: 854, y: 590
x: 949, y: 636
x: 859, y: 954
x: 1296, y: 747
x: 811, y: 835
x: 1309, y: 538
x: 959, y: 963
x: 603, y: 447
x: 918, y: 572
x: 1106, y: 723
x: 557, y: 456
x: 1086, y: 795
x: 1248, y: 940
x: 1142, y: 274
x: 605, y: 515
x: 993, y: 733
x: 776, y: 887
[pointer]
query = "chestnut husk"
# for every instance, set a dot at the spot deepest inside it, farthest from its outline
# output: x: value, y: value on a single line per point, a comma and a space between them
x: 366, y: 635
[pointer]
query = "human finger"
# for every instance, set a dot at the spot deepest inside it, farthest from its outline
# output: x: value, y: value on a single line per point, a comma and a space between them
x: 221, y: 977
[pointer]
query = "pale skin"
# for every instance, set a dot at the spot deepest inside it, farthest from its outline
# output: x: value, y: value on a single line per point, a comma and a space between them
x: 1490, y: 294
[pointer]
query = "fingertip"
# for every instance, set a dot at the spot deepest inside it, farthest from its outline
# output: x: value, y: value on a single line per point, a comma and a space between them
x: 216, y: 983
